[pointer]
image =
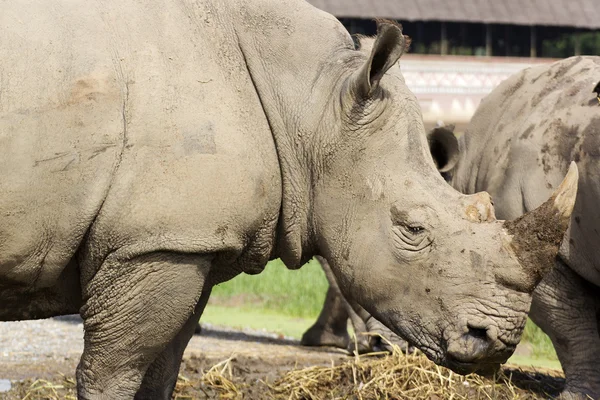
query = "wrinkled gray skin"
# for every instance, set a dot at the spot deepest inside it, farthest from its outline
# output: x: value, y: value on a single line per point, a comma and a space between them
x: 517, y: 147
x: 154, y: 149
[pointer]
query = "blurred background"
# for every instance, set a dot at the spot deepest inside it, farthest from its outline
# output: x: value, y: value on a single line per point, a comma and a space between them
x: 461, y: 49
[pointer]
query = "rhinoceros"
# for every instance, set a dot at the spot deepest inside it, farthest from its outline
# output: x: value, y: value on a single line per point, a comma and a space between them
x: 517, y: 147
x: 154, y: 149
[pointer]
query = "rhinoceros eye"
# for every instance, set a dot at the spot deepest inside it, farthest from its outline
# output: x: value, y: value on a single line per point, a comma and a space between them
x: 410, y: 229
x: 415, y: 229
x: 411, y: 234
x: 410, y: 239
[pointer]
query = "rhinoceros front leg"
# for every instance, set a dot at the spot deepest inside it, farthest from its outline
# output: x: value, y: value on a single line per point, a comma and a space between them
x: 330, y: 329
x: 161, y: 377
x: 133, y: 310
x: 567, y: 308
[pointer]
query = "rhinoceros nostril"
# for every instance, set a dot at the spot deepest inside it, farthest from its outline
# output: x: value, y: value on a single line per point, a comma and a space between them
x: 478, y: 333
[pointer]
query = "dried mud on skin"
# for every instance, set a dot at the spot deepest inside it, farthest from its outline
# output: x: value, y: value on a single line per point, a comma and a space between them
x: 375, y: 376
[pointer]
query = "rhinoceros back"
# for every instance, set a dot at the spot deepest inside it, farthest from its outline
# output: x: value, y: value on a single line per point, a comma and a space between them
x: 61, y: 134
x: 522, y: 139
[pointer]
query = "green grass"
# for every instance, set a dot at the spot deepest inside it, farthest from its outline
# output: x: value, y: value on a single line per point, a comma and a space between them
x: 540, y: 342
x: 287, y: 302
x: 258, y: 319
x: 294, y: 293
x: 534, y: 362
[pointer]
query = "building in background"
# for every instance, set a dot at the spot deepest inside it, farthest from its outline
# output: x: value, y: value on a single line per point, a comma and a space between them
x: 461, y: 49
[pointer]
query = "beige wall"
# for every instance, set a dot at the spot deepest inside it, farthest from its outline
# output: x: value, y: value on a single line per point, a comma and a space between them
x: 449, y: 88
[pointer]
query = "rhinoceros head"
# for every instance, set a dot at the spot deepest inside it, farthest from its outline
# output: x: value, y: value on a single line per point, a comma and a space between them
x: 432, y: 264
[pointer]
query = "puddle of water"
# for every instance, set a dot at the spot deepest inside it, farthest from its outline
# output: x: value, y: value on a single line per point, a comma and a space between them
x: 4, y: 385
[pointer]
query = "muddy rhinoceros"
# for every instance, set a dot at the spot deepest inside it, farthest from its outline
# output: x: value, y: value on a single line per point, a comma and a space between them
x: 517, y: 147
x: 154, y: 149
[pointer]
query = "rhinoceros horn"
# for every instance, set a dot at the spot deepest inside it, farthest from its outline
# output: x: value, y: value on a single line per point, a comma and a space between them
x: 537, y: 235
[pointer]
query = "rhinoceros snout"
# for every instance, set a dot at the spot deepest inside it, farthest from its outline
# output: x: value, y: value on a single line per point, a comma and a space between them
x: 478, y: 349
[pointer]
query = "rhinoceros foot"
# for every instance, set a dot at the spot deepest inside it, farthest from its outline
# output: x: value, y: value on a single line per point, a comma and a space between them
x: 321, y: 336
x: 360, y: 344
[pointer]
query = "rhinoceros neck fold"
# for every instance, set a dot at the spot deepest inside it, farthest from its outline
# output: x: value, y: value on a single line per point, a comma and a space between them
x: 295, y: 65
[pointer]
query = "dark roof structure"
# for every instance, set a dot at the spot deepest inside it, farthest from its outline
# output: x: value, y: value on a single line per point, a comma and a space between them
x: 571, y: 13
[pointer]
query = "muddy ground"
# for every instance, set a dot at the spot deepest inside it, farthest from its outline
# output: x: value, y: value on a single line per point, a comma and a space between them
x: 39, y: 358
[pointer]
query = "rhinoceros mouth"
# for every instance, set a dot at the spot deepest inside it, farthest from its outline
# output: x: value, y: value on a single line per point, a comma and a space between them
x: 460, y: 367
x: 439, y: 357
x: 465, y: 368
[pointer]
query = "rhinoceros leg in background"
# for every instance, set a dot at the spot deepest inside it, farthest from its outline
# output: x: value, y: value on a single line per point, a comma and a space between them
x: 383, y: 338
x: 331, y: 328
x: 567, y: 308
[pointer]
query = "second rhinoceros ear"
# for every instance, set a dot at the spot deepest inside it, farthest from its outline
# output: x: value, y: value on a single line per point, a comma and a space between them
x: 389, y: 45
x: 444, y: 148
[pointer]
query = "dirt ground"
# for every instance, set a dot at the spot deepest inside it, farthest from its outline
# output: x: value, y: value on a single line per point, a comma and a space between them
x: 47, y: 351
x: 219, y: 363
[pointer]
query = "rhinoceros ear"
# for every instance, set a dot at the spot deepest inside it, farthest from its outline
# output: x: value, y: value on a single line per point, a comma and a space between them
x: 389, y: 45
x: 443, y: 146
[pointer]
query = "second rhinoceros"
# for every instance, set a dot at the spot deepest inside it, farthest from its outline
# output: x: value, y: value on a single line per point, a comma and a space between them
x: 518, y: 146
x: 154, y: 149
